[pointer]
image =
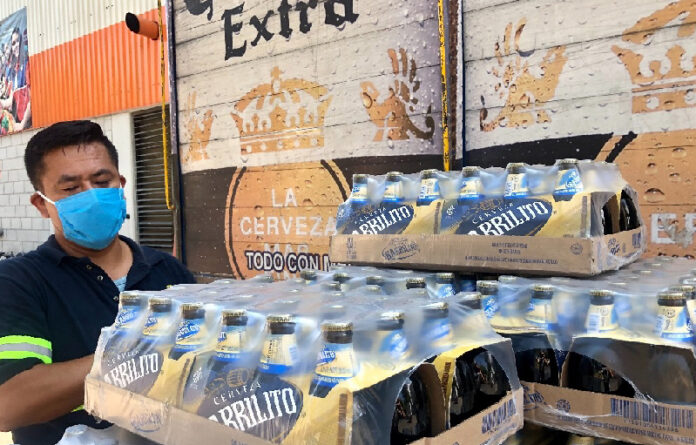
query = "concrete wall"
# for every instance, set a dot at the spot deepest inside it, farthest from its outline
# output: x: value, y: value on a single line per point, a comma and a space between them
x: 609, y: 80
x: 22, y: 226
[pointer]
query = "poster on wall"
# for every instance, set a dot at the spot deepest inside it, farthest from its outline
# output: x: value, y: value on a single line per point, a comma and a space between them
x: 15, y: 97
x: 280, y: 103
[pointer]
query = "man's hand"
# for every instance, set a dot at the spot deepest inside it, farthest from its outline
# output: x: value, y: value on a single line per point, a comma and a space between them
x: 43, y: 393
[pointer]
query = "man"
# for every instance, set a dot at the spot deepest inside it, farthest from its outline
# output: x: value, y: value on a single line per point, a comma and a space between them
x: 55, y: 300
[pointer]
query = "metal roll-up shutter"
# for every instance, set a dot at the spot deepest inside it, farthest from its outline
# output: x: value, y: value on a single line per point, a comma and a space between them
x: 155, y: 221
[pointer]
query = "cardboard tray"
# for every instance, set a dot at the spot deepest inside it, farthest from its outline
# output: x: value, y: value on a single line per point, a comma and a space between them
x: 638, y: 420
x: 165, y: 424
x: 602, y: 415
x: 581, y: 257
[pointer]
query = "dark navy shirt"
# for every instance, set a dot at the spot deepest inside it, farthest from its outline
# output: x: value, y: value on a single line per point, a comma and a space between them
x: 53, y: 307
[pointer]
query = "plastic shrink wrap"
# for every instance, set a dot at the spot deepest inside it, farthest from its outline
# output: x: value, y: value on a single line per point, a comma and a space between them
x: 610, y: 357
x: 576, y: 218
x: 356, y: 355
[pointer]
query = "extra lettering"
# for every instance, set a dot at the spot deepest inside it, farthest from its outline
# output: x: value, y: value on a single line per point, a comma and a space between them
x: 264, y: 24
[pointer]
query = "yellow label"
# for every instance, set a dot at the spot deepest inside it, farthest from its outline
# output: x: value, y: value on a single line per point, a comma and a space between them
x: 232, y: 340
x: 392, y: 191
x: 541, y: 313
x: 335, y: 363
x: 279, y: 354
x: 471, y: 188
x: 430, y: 188
x: 601, y: 319
x: 516, y: 185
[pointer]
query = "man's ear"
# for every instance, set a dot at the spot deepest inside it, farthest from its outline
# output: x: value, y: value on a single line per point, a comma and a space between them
x: 123, y: 181
x: 40, y: 204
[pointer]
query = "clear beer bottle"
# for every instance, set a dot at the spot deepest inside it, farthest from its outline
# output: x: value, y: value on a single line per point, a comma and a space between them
x: 516, y: 181
x: 336, y: 361
x: 587, y: 373
x: 429, y: 187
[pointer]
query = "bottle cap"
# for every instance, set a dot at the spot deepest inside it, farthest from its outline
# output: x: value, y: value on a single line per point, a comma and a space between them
x: 337, y: 326
x: 309, y: 274
x: 331, y: 286
x: 191, y: 311
x: 471, y: 300
x: 670, y: 296
x: 341, y: 277
x: 542, y: 291
x: 264, y: 278
x: 392, y: 315
x: 444, y: 277
x: 415, y: 283
x: 234, y: 317
x: 567, y: 163
x: 130, y: 298
x: 516, y: 167
x: 280, y: 318
x: 360, y: 178
x: 471, y: 171
x: 426, y: 174
x: 507, y: 279
x: 438, y: 309
x: 376, y: 280
x: 160, y: 304
x: 487, y: 287
x: 601, y: 297
x: 394, y: 176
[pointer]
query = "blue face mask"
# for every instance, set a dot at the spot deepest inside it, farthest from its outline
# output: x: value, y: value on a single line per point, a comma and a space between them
x: 91, y: 218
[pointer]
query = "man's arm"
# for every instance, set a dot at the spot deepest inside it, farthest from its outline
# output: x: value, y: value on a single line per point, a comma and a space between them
x: 43, y: 393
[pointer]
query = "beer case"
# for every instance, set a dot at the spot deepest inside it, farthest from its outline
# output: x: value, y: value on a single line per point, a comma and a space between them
x: 165, y: 370
x: 639, y: 356
x: 547, y: 229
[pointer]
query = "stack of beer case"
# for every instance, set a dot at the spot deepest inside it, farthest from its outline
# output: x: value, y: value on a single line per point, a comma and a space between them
x: 353, y: 356
x: 572, y: 218
x: 628, y: 377
x: 610, y: 357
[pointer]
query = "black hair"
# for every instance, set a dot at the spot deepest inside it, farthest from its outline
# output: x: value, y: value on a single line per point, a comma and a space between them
x: 60, y: 135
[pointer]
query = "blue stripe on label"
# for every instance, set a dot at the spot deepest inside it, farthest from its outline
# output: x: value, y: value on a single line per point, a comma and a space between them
x: 271, y: 368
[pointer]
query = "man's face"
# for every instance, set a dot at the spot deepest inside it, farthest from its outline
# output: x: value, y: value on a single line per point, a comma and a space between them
x: 71, y: 170
x: 15, y: 45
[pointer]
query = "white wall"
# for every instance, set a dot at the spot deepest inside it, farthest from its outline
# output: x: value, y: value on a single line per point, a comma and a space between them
x: 22, y: 226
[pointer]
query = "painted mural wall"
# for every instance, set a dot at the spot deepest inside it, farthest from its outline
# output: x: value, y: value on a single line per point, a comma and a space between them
x: 608, y: 80
x: 280, y: 102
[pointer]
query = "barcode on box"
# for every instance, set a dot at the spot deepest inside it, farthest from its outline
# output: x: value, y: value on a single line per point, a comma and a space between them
x: 651, y: 413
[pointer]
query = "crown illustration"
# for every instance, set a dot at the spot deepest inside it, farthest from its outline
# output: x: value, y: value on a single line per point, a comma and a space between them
x: 665, y: 81
x: 282, y: 115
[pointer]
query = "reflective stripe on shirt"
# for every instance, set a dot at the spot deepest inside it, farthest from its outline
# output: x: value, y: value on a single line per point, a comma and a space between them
x: 16, y: 347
